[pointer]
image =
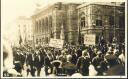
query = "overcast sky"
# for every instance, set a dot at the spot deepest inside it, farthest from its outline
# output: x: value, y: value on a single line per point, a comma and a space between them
x: 13, y: 8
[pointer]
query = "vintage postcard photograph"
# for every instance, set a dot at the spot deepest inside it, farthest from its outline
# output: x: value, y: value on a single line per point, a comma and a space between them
x: 63, y: 38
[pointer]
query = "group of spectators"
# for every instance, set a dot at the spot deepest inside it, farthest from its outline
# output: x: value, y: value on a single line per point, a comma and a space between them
x: 102, y: 59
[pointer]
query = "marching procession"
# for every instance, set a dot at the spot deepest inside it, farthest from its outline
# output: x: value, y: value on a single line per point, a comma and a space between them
x: 64, y: 39
x: 99, y: 60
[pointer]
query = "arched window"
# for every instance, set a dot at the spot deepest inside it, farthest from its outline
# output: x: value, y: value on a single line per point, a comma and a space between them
x: 82, y: 20
x: 98, y: 20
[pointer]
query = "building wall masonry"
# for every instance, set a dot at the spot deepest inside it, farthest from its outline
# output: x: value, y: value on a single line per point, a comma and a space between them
x: 98, y: 18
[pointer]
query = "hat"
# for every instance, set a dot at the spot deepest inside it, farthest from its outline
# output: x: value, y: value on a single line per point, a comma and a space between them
x: 84, y: 52
x: 116, y: 70
x: 99, y: 52
x: 69, y: 57
x: 56, y: 63
x: 111, y: 57
x: 70, y: 68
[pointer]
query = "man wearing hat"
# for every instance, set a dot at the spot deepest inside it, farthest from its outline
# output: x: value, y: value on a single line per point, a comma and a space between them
x: 47, y: 63
x: 83, y: 63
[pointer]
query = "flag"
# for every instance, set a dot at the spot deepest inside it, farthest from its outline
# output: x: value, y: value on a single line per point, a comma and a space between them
x: 20, y: 41
x: 79, y: 36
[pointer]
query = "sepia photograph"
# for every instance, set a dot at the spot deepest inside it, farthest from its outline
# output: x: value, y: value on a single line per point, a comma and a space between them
x: 63, y: 39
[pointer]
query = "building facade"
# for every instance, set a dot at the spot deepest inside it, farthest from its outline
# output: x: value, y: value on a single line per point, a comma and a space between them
x: 57, y: 21
x: 69, y: 21
x: 25, y: 29
x: 102, y: 19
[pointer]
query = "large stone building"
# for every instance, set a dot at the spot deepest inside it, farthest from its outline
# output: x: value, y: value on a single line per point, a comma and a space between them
x: 69, y: 21
x: 52, y: 21
x: 105, y: 19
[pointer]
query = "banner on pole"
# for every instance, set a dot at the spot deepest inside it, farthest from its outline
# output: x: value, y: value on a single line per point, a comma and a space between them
x: 57, y: 43
x: 90, y: 39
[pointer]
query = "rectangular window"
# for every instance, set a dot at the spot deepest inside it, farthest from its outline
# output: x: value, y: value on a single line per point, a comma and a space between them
x: 83, y: 22
x: 111, y: 20
x: 98, y: 22
x: 36, y: 41
x: 121, y: 22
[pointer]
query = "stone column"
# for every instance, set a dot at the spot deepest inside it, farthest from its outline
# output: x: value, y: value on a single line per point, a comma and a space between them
x: 37, y: 27
x: 42, y: 26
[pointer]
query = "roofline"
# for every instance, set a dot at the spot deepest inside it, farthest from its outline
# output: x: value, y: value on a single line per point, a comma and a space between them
x: 50, y: 7
x: 98, y: 3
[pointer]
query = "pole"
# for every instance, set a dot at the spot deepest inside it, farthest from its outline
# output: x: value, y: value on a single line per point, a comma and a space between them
x: 33, y: 43
x: 114, y: 19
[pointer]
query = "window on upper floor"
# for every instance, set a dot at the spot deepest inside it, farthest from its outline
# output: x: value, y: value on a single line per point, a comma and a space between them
x: 121, y: 21
x: 98, y: 22
x: 111, y: 20
x: 82, y: 22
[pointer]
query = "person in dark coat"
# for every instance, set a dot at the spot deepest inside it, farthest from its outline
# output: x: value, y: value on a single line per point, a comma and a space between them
x: 103, y: 67
x: 47, y: 64
x: 18, y: 66
x: 83, y: 63
x: 90, y: 51
x: 37, y: 62
x: 112, y: 59
x: 30, y: 61
x: 79, y: 53
x: 74, y: 58
x: 94, y: 53
x: 98, y: 62
x: 42, y: 55
x: 17, y: 56
x: 69, y: 67
x: 22, y: 58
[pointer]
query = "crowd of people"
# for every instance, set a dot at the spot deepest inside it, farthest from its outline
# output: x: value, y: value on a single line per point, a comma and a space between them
x: 82, y: 60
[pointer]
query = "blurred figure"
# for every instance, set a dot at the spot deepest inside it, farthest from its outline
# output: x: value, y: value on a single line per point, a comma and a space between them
x: 83, y: 63
x: 37, y: 62
x: 8, y: 67
x: 69, y: 67
x: 74, y: 57
x: 111, y: 58
x: 92, y: 71
x: 47, y: 64
x: 122, y: 57
x: 96, y: 62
